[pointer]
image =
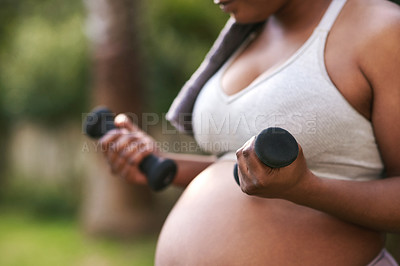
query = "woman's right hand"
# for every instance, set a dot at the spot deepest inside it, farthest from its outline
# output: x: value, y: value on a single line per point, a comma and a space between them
x: 125, y: 147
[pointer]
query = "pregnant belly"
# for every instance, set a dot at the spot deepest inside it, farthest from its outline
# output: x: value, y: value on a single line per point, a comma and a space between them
x: 214, y: 223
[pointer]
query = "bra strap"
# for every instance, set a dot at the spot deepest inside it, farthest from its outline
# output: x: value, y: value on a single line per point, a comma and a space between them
x: 331, y: 14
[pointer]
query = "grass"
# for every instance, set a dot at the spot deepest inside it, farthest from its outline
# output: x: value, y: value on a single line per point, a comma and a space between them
x: 26, y: 241
x: 29, y: 241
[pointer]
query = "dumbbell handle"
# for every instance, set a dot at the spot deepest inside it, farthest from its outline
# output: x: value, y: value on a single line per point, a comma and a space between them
x: 275, y: 147
x: 159, y: 172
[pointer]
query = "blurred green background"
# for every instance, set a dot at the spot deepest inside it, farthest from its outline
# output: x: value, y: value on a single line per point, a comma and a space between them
x: 47, y: 81
x: 49, y: 76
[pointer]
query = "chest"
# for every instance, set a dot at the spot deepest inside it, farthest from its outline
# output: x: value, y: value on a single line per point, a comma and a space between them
x: 300, y: 99
x: 270, y: 50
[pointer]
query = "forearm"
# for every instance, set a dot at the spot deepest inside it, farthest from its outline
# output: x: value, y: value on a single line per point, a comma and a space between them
x: 372, y: 204
x: 189, y: 166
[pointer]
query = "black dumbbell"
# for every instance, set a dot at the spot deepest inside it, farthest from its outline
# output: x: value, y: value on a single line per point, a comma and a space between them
x: 275, y: 147
x: 159, y: 172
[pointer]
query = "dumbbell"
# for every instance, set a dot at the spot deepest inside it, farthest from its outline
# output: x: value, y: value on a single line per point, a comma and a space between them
x: 275, y: 147
x: 158, y: 171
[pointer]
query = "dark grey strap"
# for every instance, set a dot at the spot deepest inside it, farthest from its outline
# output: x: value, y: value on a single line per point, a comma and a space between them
x: 230, y: 38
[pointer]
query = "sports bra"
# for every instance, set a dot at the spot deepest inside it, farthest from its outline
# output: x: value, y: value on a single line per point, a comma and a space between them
x: 337, y: 141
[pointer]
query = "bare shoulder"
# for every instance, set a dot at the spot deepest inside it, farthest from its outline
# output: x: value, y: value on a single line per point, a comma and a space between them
x: 377, y: 11
x: 375, y: 35
x: 375, y: 20
x: 370, y: 30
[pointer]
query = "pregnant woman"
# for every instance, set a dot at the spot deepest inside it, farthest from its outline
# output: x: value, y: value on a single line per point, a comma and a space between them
x: 326, y: 71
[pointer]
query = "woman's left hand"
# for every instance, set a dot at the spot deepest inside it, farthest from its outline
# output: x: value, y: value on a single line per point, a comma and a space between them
x: 260, y: 180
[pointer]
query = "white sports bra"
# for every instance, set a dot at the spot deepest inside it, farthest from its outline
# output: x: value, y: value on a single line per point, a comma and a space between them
x: 299, y: 96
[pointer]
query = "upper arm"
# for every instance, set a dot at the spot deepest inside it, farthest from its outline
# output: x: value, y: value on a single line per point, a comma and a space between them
x: 381, y: 66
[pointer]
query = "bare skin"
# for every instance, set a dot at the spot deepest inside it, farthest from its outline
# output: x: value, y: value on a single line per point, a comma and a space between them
x: 295, y: 216
x: 214, y: 223
x: 365, y: 75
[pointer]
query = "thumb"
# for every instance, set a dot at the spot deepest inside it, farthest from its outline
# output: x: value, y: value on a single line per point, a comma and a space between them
x: 123, y: 121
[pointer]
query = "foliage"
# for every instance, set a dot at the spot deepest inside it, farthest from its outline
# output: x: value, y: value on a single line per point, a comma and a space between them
x: 26, y: 240
x: 45, y: 200
x: 44, y: 62
x: 44, y: 59
x: 177, y: 37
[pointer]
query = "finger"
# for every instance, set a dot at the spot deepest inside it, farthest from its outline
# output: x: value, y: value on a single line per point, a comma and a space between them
x: 109, y: 139
x: 248, y: 147
x: 116, y: 162
x: 133, y: 174
x: 123, y: 121
x: 242, y: 156
x: 254, y: 164
x: 239, y: 152
x: 249, y: 165
x: 130, y: 149
x: 143, y: 151
x: 137, y: 143
x: 126, y: 171
x: 123, y: 143
x: 242, y: 166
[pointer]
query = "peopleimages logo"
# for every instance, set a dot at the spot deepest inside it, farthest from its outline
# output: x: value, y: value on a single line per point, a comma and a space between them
x: 145, y: 121
x: 163, y: 146
x: 251, y: 124
x: 225, y: 124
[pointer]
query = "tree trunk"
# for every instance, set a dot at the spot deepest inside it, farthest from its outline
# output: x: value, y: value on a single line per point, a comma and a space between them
x: 113, y: 206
